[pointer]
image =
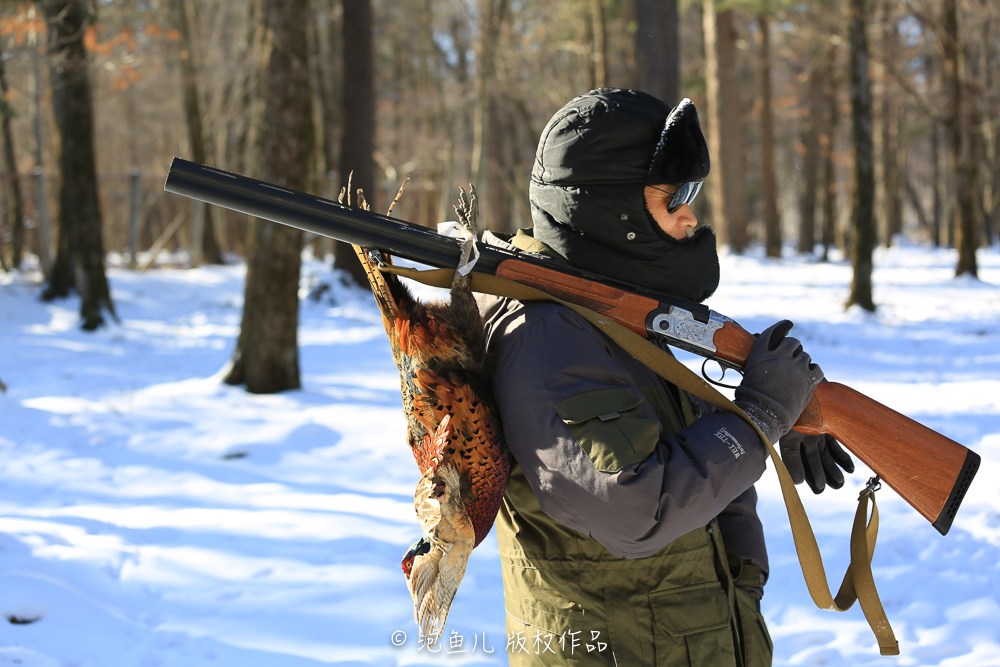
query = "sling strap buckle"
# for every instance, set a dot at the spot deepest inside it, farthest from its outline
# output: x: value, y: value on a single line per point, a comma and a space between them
x: 874, y: 484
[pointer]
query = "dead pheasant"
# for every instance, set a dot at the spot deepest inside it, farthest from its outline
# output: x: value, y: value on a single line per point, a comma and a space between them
x: 452, y: 423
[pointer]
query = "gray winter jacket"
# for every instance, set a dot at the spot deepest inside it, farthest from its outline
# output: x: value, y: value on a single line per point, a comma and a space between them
x: 673, y: 477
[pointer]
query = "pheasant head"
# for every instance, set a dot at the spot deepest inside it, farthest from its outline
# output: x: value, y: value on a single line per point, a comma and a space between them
x: 435, y: 565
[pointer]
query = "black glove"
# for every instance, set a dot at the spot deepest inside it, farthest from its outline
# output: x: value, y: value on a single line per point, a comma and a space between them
x: 778, y: 381
x: 817, y: 459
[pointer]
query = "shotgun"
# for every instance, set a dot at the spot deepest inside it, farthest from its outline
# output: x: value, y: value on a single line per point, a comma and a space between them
x: 928, y: 470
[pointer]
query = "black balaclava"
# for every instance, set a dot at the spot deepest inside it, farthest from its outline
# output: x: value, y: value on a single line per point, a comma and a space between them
x: 594, y: 159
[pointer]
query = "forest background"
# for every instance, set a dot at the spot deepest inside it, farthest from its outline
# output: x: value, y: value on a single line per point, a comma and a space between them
x: 835, y: 124
x: 835, y: 127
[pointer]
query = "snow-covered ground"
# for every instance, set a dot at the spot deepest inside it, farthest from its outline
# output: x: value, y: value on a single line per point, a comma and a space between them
x: 150, y: 515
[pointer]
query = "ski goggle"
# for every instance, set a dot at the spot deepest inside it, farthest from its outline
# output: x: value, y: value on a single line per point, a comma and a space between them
x: 685, y: 194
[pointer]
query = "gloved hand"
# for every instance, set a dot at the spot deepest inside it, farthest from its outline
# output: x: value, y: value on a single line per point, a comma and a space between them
x: 817, y: 459
x: 778, y: 381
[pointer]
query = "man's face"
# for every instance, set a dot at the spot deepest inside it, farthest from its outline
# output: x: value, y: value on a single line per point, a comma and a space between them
x: 679, y: 224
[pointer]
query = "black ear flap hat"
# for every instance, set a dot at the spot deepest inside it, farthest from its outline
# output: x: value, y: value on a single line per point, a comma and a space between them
x: 593, y: 161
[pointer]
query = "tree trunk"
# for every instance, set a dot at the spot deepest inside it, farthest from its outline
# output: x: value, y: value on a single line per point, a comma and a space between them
x: 497, y: 206
x: 325, y: 34
x: 17, y: 200
x: 772, y: 224
x: 980, y: 176
x: 863, y: 207
x: 992, y: 148
x: 445, y: 209
x: 358, y: 103
x: 890, y: 121
x: 937, y: 204
x: 598, y: 46
x: 989, y: 166
x: 492, y: 15
x: 813, y: 153
x: 657, y: 49
x: 62, y: 279
x: 725, y: 128
x: 3, y: 232
x: 324, y: 45
x: 44, y: 222
x: 243, y: 120
x: 483, y: 83
x: 79, y: 206
x: 829, y: 165
x: 918, y: 207
x: 210, y: 251
x: 966, y: 233
x: 266, y: 358
x: 983, y: 129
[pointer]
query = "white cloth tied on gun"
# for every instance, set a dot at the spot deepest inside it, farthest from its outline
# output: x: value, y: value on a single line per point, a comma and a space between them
x: 457, y: 230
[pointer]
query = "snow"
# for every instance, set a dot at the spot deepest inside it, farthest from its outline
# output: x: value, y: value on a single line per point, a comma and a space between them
x: 151, y: 515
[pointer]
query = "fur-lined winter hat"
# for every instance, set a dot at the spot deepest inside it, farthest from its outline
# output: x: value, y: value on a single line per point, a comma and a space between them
x: 594, y: 159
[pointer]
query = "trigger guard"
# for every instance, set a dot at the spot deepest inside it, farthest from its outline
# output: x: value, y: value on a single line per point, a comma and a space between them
x: 717, y: 383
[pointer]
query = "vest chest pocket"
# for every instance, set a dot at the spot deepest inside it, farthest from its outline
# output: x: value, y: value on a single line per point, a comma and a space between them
x: 692, y: 627
x: 611, y: 427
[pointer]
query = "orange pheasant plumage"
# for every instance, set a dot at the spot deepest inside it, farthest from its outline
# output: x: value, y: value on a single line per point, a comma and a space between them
x: 453, y: 428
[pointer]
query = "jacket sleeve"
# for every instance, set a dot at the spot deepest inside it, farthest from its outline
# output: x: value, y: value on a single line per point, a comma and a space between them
x: 634, y: 497
x: 741, y: 528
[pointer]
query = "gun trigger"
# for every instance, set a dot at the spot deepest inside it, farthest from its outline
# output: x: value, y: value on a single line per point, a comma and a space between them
x: 717, y: 383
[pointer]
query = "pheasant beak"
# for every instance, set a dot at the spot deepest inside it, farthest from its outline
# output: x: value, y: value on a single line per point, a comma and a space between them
x: 419, y: 548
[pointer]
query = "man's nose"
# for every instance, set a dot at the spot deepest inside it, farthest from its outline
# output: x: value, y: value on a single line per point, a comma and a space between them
x: 687, y: 217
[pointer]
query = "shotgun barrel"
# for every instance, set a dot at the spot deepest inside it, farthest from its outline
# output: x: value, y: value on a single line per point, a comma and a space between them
x: 312, y: 214
x: 331, y: 219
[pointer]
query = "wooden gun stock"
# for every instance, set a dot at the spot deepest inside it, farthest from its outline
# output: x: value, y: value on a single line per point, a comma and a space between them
x: 929, y: 471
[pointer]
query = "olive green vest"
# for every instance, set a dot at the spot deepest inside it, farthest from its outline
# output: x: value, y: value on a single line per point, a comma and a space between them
x: 570, y: 601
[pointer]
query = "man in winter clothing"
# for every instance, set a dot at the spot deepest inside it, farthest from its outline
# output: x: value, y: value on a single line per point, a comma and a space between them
x: 629, y: 533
